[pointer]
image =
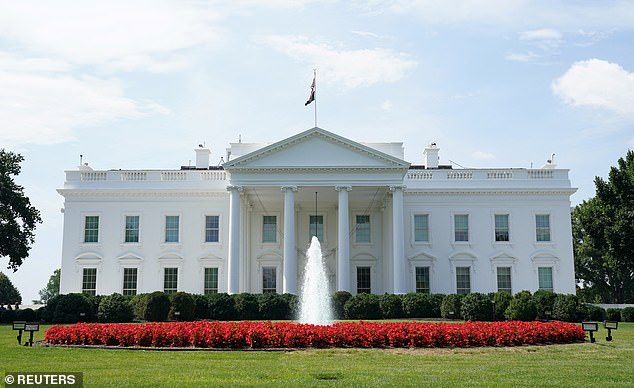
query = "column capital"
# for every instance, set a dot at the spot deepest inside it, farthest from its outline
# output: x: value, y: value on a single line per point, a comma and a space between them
x: 397, y: 187
x: 341, y: 188
x: 233, y: 187
x: 285, y: 188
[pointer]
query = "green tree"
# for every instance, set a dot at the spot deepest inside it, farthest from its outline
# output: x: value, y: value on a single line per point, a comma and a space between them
x: 8, y: 293
x: 603, y: 236
x: 18, y: 218
x: 51, y: 289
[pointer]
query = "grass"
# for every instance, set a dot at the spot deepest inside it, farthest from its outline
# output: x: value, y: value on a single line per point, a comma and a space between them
x: 599, y: 364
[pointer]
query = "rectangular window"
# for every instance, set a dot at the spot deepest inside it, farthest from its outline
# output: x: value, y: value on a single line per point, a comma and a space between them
x: 422, y: 280
x: 421, y: 228
x: 269, y: 229
x: 269, y: 280
x: 501, y: 227
x: 545, y: 275
x: 89, y: 281
x: 129, y: 281
x: 132, y: 229
x: 316, y: 227
x: 504, y: 279
x: 542, y: 227
x: 363, y: 229
x: 363, y: 280
x: 91, y: 229
x: 461, y: 227
x: 463, y: 280
x: 172, y: 229
x: 170, y: 280
x: 211, y: 281
x: 212, y: 228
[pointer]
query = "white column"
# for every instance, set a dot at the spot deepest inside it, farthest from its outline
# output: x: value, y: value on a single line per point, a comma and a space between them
x: 398, y: 241
x: 290, y: 254
x: 343, y: 240
x: 233, y: 280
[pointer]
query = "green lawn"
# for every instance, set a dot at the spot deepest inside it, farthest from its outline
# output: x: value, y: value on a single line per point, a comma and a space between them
x: 599, y: 364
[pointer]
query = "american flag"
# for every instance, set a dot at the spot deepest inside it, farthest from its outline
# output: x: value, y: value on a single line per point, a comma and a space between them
x: 311, y: 98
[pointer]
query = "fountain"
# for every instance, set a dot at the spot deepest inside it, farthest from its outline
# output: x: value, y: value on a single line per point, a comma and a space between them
x: 314, y: 302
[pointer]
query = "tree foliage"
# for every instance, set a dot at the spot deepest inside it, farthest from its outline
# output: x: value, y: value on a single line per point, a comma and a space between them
x: 51, y: 289
x: 18, y: 218
x: 8, y: 293
x: 603, y: 237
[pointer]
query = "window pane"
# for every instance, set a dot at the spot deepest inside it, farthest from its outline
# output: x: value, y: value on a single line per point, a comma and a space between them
x: 171, y: 228
x: 363, y: 280
x: 211, y: 281
x: 504, y: 279
x: 363, y: 229
x: 269, y: 280
x: 129, y: 281
x: 461, y: 227
x: 89, y: 281
x: 421, y: 227
x: 212, y: 228
x: 542, y: 227
x: 269, y: 229
x: 316, y: 222
x: 132, y: 229
x: 91, y: 229
x: 422, y: 279
x: 463, y: 280
x: 501, y: 227
x: 170, y: 280
x: 545, y: 275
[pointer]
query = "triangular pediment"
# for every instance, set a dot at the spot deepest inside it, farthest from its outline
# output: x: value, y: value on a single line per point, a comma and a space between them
x: 316, y: 148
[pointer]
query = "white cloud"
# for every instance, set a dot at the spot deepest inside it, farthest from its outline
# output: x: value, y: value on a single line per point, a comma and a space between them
x: 41, y: 103
x: 541, y: 34
x: 597, y: 83
x: 138, y: 35
x: 521, y: 57
x: 481, y: 155
x: 350, y: 68
x: 387, y: 105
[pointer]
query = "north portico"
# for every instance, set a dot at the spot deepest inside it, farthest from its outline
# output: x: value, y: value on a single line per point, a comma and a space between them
x: 319, y: 182
x: 384, y: 225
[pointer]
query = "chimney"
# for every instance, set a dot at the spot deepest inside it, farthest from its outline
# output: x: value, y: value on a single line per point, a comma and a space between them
x: 431, y: 156
x: 202, y: 157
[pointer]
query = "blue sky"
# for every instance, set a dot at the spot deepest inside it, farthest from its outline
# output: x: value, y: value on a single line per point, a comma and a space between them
x: 138, y: 84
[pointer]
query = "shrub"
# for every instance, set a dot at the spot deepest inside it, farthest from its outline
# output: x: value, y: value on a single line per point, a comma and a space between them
x: 138, y: 304
x: 184, y: 304
x: 544, y: 301
x: 391, y: 306
x: 273, y: 306
x: 522, y: 307
x: 566, y: 307
x: 613, y: 315
x: 8, y: 316
x: 95, y: 300
x: 477, y: 307
x: 157, y: 306
x: 363, y: 306
x: 502, y: 299
x: 339, y: 299
x: 592, y: 313
x: 202, y: 306
x: 247, y: 306
x: 69, y: 308
x: 221, y: 307
x: 27, y: 314
x: 417, y: 305
x: 451, y: 305
x: 627, y: 314
x: 115, y: 308
x: 293, y: 305
x: 436, y: 302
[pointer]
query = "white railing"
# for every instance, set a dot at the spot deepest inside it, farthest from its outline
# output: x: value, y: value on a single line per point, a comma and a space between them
x: 419, y: 175
x: 459, y: 174
x: 540, y: 174
x: 500, y: 175
x: 213, y: 175
x: 133, y: 175
x: 173, y: 175
x: 93, y: 176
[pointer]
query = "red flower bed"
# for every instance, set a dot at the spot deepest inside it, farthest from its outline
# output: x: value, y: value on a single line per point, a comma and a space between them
x: 261, y: 334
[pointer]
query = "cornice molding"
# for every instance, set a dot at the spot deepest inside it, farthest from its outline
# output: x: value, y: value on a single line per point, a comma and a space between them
x: 148, y: 193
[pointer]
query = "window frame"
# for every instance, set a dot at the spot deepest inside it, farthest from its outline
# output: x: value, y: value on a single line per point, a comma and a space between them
x: 508, y: 289
x: 421, y: 290
x: 170, y: 290
x: 126, y: 290
x: 552, y: 278
x: 266, y: 288
x: 537, y: 228
x: 85, y: 229
x: 211, y: 290
x: 93, y: 281
x: 507, y: 231
x: 165, y: 228
x: 275, y: 229
x: 322, y: 240
x: 428, y: 230
x: 369, y: 279
x: 455, y: 230
x: 206, y: 229
x: 369, y: 228
x: 125, y: 228
x: 461, y: 268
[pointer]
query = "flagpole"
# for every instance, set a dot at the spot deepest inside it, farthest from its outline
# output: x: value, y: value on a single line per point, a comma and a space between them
x: 315, y: 78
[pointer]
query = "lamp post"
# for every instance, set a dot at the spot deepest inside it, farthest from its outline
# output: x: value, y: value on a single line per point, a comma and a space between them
x: 590, y: 327
x: 610, y: 325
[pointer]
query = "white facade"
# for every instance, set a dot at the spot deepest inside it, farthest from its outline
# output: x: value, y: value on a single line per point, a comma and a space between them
x: 384, y: 225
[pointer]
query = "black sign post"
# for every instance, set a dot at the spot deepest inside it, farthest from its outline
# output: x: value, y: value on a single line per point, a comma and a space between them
x: 31, y: 327
x: 19, y: 325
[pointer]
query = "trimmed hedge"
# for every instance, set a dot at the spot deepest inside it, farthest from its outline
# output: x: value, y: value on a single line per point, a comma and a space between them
x: 115, y: 308
x: 221, y: 306
x: 273, y: 306
x: 502, y: 300
x: 157, y: 306
x: 566, y: 308
x: 184, y: 304
x: 627, y: 314
x: 451, y: 306
x: 69, y: 308
x: 477, y: 307
x: 363, y: 306
x: 544, y: 301
x: 339, y: 299
x: 391, y: 306
x: 522, y: 307
x: 247, y: 306
x: 613, y: 315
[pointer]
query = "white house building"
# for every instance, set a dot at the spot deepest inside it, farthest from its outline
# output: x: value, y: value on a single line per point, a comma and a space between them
x: 385, y: 225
